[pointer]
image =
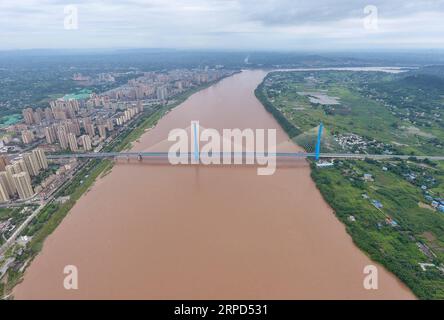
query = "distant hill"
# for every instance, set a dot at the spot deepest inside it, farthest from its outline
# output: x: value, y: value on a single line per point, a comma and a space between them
x: 414, y: 90
x: 423, y: 81
x: 431, y: 70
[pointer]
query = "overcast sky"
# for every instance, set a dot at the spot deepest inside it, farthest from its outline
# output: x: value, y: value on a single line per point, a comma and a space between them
x: 223, y: 24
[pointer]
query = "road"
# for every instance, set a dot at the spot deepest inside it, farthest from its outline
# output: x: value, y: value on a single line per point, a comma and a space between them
x: 142, y: 155
x: 18, y: 231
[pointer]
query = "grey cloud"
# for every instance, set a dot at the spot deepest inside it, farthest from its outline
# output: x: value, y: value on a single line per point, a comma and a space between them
x: 218, y: 23
x: 296, y: 12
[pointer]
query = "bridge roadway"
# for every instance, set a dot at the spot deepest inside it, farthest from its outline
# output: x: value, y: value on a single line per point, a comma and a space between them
x: 164, y: 155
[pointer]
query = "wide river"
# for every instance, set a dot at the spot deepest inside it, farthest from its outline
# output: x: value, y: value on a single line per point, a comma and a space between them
x: 195, y: 232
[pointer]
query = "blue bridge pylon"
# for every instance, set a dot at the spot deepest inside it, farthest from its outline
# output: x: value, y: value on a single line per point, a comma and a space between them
x: 318, y: 143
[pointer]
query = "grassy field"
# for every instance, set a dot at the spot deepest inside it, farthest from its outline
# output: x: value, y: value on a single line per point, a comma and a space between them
x: 406, y: 231
x: 356, y: 112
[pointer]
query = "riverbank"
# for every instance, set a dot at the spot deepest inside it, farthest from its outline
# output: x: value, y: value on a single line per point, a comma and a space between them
x: 50, y: 217
x: 200, y: 232
x: 380, y: 213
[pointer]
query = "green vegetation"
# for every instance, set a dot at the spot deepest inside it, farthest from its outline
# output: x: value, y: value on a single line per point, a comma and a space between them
x: 359, y: 102
x: 6, y: 213
x: 30, y: 83
x: 406, y: 231
x: 291, y: 130
x: 10, y: 119
x: 44, y: 174
x: 51, y: 216
x: 125, y: 141
x: 13, y: 217
x: 394, y: 247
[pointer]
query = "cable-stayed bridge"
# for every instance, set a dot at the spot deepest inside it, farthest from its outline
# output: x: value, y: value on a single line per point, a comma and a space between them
x: 165, y: 155
x: 311, y: 140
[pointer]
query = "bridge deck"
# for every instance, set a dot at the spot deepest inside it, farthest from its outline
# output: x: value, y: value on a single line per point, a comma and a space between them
x: 142, y: 155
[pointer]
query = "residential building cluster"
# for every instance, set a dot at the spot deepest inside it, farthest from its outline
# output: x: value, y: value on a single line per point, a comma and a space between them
x: 357, y: 144
x: 158, y: 87
x: 435, y: 202
x: 80, y: 122
x: 16, y: 175
x: 75, y: 125
x: 95, y: 79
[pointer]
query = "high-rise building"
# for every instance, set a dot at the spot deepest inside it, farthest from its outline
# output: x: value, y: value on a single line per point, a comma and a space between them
x: 161, y: 93
x: 86, y: 142
x: 23, y: 184
x: 76, y: 126
x: 37, y: 116
x: 4, y: 161
x: 9, y: 176
x: 110, y: 125
x: 28, y: 116
x: 5, y: 182
x: 127, y: 115
x: 63, y: 137
x: 73, y: 142
x: 86, y: 121
x: 20, y: 166
x: 50, y: 134
x: 73, y: 126
x: 102, y: 131
x: 48, y: 114
x: 59, y: 114
x: 90, y: 130
x: 139, y: 106
x: 41, y: 158
x: 31, y: 163
x: 4, y: 196
x: 27, y: 136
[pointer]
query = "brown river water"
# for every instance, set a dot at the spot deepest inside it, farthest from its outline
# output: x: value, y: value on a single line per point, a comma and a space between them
x: 197, y: 232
